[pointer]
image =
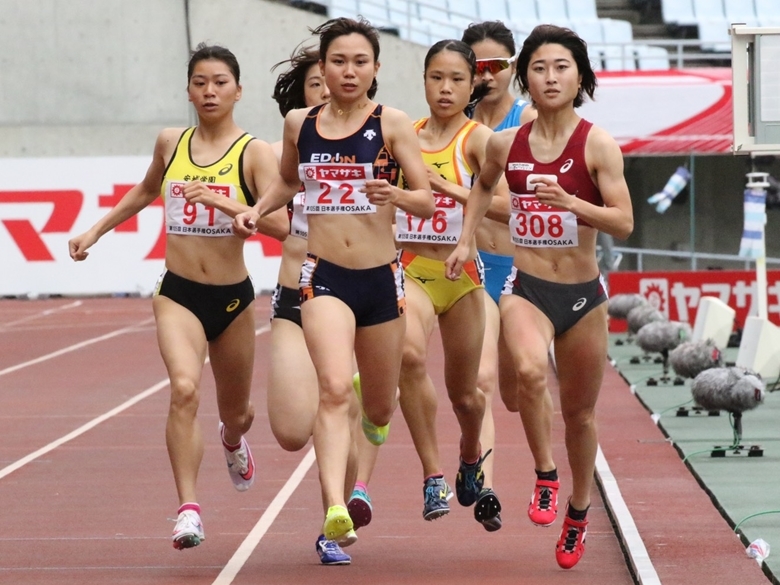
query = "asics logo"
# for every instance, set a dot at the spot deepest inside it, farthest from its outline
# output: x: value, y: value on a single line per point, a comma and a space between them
x: 579, y: 304
x: 226, y: 169
x: 442, y: 494
x: 233, y: 305
x: 567, y: 165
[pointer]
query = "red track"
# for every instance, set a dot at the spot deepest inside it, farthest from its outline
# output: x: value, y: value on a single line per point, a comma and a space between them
x: 99, y: 508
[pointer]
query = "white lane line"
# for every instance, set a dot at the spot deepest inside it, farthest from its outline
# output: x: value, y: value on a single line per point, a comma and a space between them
x: 635, y: 547
x: 82, y: 429
x: 249, y: 544
x: 45, y: 313
x: 74, y: 347
x: 96, y: 421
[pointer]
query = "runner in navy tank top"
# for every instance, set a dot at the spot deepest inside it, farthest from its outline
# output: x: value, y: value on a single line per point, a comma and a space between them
x: 346, y: 154
x: 494, y: 46
x: 566, y: 182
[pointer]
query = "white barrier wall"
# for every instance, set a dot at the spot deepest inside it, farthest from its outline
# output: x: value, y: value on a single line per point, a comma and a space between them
x: 46, y: 201
x: 101, y: 78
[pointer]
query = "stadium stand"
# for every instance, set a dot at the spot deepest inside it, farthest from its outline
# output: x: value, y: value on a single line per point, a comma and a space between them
x: 613, y: 44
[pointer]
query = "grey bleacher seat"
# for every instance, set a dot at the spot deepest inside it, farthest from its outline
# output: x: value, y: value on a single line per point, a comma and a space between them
x: 523, y: 15
x: 619, y: 57
x: 493, y: 10
x: 553, y: 12
x: 616, y: 31
x: 768, y: 12
x: 443, y: 30
x: 596, y: 57
x: 678, y: 12
x: 714, y: 35
x: 464, y: 10
x: 650, y: 58
x: 432, y: 10
x: 403, y: 16
x: 375, y: 11
x: 582, y: 10
x: 442, y: 22
x: 708, y: 10
x: 589, y: 30
x: 337, y: 8
x: 740, y: 11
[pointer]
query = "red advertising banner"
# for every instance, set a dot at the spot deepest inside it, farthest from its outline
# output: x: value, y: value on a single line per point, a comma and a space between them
x: 677, y: 294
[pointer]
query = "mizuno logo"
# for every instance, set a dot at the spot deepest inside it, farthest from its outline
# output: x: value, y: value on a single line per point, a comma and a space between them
x: 439, y: 165
x: 423, y: 280
x: 233, y: 305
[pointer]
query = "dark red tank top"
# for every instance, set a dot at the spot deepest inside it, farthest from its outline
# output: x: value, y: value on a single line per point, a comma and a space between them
x: 570, y: 169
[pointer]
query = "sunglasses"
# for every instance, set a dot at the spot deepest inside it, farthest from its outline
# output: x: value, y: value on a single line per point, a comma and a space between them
x: 493, y: 65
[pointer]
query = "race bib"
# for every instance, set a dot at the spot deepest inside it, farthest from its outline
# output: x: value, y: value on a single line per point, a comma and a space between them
x: 334, y: 187
x: 195, y: 219
x: 445, y: 226
x: 534, y: 224
x: 299, y: 225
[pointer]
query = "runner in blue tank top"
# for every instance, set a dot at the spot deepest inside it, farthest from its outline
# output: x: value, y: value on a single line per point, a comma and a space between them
x: 494, y: 46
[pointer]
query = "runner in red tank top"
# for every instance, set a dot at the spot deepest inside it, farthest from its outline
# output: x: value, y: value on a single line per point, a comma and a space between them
x: 566, y: 182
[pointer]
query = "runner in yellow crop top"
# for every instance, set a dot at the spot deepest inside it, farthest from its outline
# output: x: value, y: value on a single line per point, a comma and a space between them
x: 454, y: 150
x: 204, y: 300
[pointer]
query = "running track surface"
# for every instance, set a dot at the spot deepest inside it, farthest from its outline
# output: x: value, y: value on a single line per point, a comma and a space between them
x: 87, y: 495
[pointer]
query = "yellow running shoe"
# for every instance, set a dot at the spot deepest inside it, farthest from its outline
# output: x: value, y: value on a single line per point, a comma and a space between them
x: 338, y: 526
x: 375, y: 435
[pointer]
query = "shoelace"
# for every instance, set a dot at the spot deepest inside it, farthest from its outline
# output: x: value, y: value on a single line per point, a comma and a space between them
x: 430, y: 492
x: 571, y: 539
x: 545, y: 498
x: 330, y: 546
x: 471, y: 469
x: 189, y: 523
x: 240, y: 460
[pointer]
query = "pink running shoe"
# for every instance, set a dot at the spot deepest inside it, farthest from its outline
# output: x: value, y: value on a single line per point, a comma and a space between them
x: 241, y: 465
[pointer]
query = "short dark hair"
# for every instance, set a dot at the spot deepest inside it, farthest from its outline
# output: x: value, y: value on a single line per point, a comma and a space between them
x: 340, y: 27
x: 546, y: 34
x: 469, y: 57
x: 204, y: 52
x: 495, y: 30
x: 289, y: 90
x: 457, y: 47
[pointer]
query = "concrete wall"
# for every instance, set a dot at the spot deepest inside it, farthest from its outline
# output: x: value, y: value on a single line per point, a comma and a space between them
x: 103, y: 77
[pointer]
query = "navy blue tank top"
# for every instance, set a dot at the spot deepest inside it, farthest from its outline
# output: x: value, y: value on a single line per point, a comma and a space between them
x: 366, y: 145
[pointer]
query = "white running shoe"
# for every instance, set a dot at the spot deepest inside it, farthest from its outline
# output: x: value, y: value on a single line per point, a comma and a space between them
x: 188, y: 531
x: 241, y: 465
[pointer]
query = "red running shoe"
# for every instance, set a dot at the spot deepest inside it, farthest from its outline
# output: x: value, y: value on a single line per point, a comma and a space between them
x: 571, y: 544
x: 543, y: 508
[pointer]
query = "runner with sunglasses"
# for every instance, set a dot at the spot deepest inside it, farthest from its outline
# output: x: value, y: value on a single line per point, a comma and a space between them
x: 454, y: 151
x: 494, y: 46
x: 347, y: 153
x: 566, y: 182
